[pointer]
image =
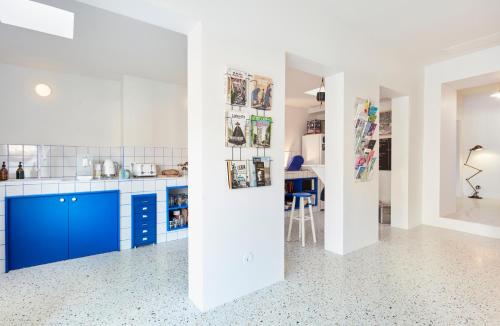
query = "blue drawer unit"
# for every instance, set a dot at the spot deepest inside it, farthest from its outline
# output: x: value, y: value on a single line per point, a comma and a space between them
x: 143, y: 220
x: 47, y: 228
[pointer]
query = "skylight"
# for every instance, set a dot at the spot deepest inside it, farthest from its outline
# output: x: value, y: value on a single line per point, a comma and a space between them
x: 38, y: 17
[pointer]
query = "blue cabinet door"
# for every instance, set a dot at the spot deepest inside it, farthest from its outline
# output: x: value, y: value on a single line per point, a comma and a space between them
x: 37, y: 230
x: 93, y: 223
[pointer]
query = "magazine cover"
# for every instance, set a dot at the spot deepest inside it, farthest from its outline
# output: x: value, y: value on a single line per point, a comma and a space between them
x: 261, y: 131
x: 237, y: 172
x: 261, y: 92
x: 236, y: 129
x: 262, y: 170
x: 236, y: 87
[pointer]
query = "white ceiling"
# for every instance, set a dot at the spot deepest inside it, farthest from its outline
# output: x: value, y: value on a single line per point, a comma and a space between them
x: 297, y: 82
x: 105, y: 45
x: 426, y: 30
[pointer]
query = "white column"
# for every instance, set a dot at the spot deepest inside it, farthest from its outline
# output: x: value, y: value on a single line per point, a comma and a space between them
x: 400, y: 161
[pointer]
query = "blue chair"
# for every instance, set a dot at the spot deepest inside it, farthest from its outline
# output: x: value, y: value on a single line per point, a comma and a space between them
x: 303, y: 197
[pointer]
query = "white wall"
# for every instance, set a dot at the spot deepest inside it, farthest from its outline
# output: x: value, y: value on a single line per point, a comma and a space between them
x: 154, y: 113
x: 87, y: 111
x: 448, y: 139
x: 480, y: 121
x: 230, y: 224
x: 400, y: 164
x: 295, y: 128
x: 81, y: 110
x: 472, y: 65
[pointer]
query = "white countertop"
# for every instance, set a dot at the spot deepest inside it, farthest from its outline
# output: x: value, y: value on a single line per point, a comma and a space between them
x: 74, y: 179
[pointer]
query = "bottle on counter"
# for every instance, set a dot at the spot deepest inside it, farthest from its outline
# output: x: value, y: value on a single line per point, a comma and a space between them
x: 20, y: 171
x: 4, y: 173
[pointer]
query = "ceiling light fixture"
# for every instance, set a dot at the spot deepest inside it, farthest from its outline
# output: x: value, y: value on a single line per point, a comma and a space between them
x: 38, y: 17
x: 43, y: 90
x: 496, y: 94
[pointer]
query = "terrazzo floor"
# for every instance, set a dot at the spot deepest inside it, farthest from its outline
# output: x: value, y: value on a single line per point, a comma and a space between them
x: 483, y: 211
x: 426, y: 276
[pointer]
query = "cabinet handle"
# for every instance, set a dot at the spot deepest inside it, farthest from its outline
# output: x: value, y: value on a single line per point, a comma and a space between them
x: 144, y: 208
x: 61, y: 200
x: 145, y: 239
x: 73, y: 199
x: 144, y: 231
x: 144, y: 216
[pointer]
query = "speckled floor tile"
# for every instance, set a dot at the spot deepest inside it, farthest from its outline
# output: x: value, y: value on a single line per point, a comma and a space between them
x: 426, y: 276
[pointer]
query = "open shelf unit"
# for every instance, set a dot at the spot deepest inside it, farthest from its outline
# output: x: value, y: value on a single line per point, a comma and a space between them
x: 177, y: 208
x: 309, y: 185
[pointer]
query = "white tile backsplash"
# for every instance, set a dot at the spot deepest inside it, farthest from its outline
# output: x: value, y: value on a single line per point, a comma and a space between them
x: 69, y: 151
x: 137, y: 186
x: 125, y: 233
x: 125, y: 186
x: 97, y: 186
x: 16, y: 190
x: 66, y: 187
x: 32, y: 189
x: 125, y: 244
x: 111, y: 185
x: 149, y: 186
x: 82, y: 186
x: 125, y: 199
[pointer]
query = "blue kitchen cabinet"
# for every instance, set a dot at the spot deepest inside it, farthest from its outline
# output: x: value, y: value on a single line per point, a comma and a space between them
x: 93, y: 224
x: 143, y: 220
x: 48, y: 228
x: 37, y: 230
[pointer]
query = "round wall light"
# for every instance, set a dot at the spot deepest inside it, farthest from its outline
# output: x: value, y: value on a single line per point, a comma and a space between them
x: 43, y: 90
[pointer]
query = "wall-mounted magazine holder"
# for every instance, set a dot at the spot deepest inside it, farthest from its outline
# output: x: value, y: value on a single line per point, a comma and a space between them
x: 239, y: 97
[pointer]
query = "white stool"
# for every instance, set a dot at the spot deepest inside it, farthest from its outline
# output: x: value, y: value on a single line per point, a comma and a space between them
x: 302, y: 218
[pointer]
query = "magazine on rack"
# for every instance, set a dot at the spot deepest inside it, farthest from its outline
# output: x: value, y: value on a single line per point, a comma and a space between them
x: 236, y: 87
x: 237, y: 174
x: 236, y: 129
x: 261, y: 92
x: 261, y: 131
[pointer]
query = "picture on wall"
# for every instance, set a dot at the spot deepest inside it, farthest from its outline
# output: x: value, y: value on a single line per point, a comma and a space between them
x: 261, y: 92
x: 261, y: 131
x: 237, y: 129
x: 237, y: 174
x: 364, y: 130
x: 385, y: 123
x: 236, y: 87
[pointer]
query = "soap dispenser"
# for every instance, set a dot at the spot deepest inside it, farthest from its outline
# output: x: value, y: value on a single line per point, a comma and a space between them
x: 20, y: 171
x: 4, y: 173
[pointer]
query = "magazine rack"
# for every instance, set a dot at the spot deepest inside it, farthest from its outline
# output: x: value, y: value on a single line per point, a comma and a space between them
x: 242, y: 105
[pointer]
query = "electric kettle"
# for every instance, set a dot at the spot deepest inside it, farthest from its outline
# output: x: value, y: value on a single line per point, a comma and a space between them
x: 109, y: 169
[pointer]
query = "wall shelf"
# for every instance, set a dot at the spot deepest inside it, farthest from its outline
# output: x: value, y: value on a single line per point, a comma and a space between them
x: 177, y: 208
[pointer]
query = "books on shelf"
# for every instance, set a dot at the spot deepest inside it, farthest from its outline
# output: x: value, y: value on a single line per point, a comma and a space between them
x: 261, y: 131
x: 261, y: 92
x: 236, y: 87
x: 236, y: 129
